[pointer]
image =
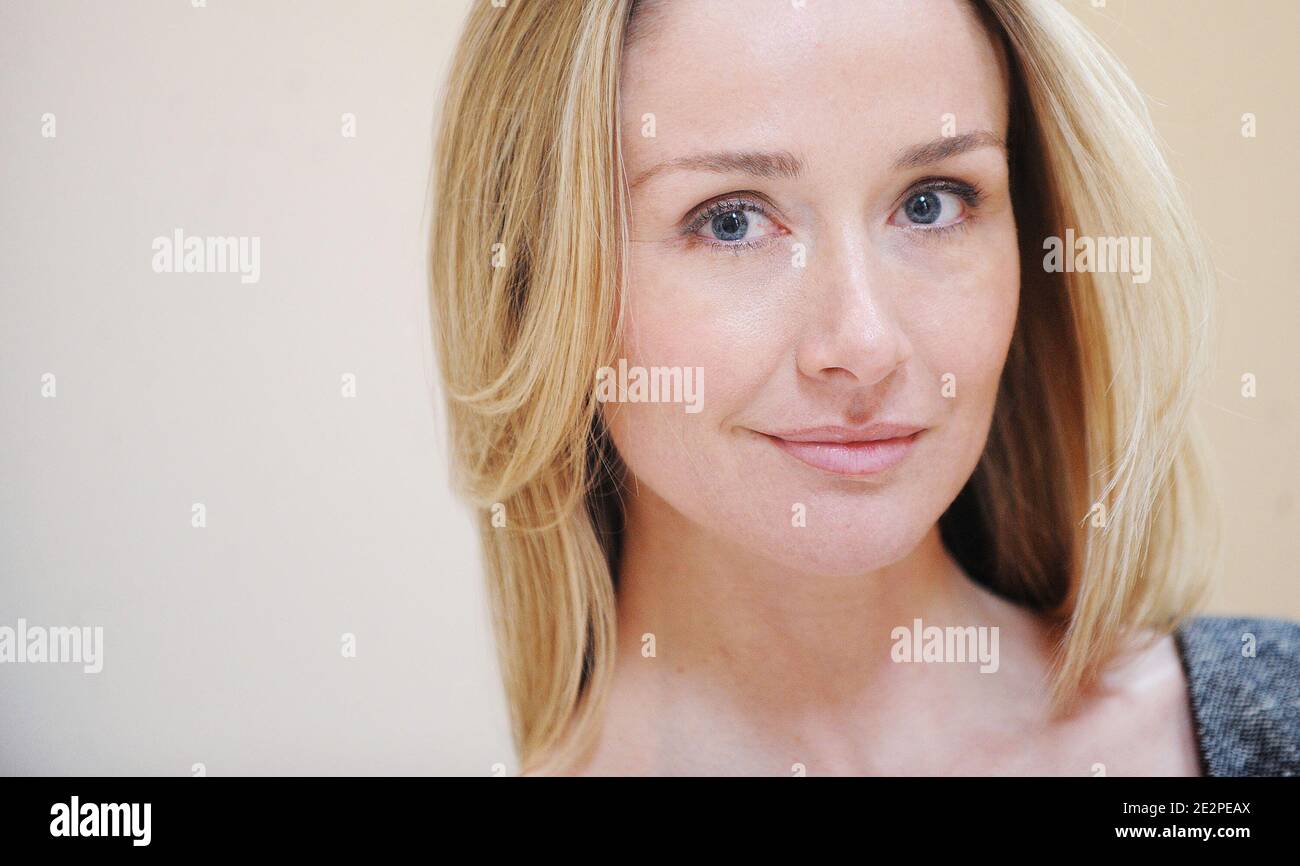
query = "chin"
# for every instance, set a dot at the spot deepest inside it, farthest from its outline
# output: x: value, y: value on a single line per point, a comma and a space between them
x: 840, y: 541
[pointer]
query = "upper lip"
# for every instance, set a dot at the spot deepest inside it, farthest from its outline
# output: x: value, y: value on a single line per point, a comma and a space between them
x: 841, y: 435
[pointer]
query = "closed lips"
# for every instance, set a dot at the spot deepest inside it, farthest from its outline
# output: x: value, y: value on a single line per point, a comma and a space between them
x: 846, y: 451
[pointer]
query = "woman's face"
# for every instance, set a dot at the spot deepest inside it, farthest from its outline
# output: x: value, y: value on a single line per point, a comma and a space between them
x: 821, y: 223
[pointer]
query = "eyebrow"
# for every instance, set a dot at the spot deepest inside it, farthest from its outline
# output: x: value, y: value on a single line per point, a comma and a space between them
x: 771, y: 164
x: 942, y: 148
x: 784, y: 164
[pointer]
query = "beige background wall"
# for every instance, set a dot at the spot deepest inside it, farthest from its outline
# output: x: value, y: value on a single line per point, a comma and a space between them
x: 1203, y: 64
x: 328, y: 515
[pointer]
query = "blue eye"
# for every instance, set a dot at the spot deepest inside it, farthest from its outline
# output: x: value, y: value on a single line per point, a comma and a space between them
x: 923, y: 208
x: 730, y: 226
x: 733, y: 224
x: 941, y: 204
x: 932, y: 207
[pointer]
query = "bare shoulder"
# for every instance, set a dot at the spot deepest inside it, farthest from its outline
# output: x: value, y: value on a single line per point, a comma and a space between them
x: 605, y: 759
x: 1139, y: 717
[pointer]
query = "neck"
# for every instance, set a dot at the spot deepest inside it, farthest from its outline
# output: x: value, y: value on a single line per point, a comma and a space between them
x: 743, y: 629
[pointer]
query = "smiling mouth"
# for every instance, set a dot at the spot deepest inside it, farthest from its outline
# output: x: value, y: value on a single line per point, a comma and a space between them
x: 842, y: 452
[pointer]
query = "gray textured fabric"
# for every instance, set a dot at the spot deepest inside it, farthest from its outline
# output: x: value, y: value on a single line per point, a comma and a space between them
x: 1246, y: 708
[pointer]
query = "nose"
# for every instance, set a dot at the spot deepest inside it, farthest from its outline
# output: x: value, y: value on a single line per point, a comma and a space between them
x: 851, y: 334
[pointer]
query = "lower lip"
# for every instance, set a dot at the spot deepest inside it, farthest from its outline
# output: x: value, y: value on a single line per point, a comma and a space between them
x: 850, y: 458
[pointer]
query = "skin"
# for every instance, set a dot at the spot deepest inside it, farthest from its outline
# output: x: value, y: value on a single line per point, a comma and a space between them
x: 772, y: 640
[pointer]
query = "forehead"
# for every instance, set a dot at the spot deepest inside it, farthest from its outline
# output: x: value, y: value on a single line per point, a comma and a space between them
x: 836, y: 78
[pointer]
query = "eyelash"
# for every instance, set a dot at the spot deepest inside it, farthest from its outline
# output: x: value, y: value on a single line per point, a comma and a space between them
x: 970, y: 194
x: 718, y: 208
x: 972, y: 197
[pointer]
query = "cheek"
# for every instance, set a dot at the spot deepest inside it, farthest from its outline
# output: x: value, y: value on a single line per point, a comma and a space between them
x: 707, y: 306
x: 687, y: 311
x: 961, y: 335
x: 981, y: 316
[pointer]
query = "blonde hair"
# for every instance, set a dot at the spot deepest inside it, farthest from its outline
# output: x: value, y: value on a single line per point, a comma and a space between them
x: 1090, y: 502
